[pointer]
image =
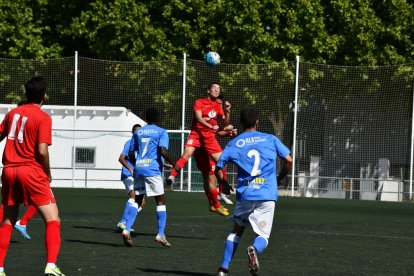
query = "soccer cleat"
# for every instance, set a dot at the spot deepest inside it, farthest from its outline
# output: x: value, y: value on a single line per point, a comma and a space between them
x: 220, y: 210
x: 127, y: 238
x: 122, y: 226
x: 162, y: 240
x: 22, y: 230
x: 170, y: 180
x: 222, y: 272
x: 225, y: 199
x: 3, y: 273
x: 253, y: 260
x: 53, y: 271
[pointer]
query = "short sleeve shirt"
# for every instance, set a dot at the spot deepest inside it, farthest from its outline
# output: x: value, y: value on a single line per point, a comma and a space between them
x: 25, y: 127
x: 146, y: 141
x: 211, y: 111
x: 254, y: 153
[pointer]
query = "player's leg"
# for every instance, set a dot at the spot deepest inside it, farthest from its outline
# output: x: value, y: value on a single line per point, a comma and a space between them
x: 155, y: 188
x: 10, y: 210
x: 37, y: 192
x: 212, y: 194
x: 192, y: 143
x: 129, y: 188
x: 133, y: 207
x: 261, y: 220
x: 50, y: 215
x: 188, y: 152
x: 20, y: 226
x: 6, y: 229
x: 241, y: 213
x: 230, y: 247
x: 221, y: 195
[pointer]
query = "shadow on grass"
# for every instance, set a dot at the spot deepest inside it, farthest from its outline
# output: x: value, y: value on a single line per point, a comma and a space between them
x: 134, y: 233
x: 176, y: 272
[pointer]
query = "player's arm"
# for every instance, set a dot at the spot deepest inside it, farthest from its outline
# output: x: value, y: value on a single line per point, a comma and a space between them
x: 43, y: 158
x: 199, y: 117
x: 164, y: 153
x: 218, y: 171
x: 226, y: 118
x: 286, y: 166
x: 123, y: 161
x: 227, y: 131
x: 2, y: 128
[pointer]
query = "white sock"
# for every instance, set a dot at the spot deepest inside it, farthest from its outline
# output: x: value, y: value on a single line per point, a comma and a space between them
x: 51, y: 265
x: 1, y: 269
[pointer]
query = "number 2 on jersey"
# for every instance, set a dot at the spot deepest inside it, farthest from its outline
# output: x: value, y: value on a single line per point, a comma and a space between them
x: 256, y: 155
x: 12, y: 133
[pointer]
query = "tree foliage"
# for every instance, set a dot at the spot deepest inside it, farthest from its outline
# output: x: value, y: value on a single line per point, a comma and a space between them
x: 343, y: 32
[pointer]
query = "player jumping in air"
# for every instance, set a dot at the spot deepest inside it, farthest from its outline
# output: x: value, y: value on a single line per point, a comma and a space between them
x: 254, y: 153
x: 208, y: 112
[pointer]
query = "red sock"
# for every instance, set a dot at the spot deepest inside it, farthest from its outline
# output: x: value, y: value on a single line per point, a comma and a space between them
x: 30, y: 213
x: 213, y: 194
x: 52, y: 240
x: 5, y: 235
x: 1, y: 213
x: 180, y: 163
x: 210, y: 202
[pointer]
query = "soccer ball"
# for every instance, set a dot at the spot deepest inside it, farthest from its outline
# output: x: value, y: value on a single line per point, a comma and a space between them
x: 212, y: 58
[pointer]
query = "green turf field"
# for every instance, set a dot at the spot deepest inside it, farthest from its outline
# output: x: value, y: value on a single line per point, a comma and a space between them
x: 310, y: 237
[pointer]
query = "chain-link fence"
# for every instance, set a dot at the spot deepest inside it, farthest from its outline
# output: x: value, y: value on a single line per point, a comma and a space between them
x: 352, y: 125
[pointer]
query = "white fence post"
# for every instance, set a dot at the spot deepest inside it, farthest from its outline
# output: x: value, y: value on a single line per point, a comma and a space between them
x: 75, y: 104
x: 295, y: 121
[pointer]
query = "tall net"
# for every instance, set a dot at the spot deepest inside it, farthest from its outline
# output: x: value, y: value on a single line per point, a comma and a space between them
x: 354, y: 125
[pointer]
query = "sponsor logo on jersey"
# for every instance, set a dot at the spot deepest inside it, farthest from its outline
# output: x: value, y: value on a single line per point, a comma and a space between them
x: 250, y: 141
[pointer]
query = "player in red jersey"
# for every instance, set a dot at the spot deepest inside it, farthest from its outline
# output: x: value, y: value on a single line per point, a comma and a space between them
x: 26, y: 174
x: 206, y: 165
x: 208, y: 112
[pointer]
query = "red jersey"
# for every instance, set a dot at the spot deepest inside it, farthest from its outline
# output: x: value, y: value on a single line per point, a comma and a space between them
x: 25, y: 127
x: 210, y: 111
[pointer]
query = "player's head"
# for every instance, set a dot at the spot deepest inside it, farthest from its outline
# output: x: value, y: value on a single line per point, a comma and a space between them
x: 36, y: 90
x: 136, y: 127
x: 152, y: 116
x: 249, y: 117
x: 214, y: 90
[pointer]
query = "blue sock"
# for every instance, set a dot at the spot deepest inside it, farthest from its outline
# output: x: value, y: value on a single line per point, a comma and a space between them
x: 126, y: 210
x: 230, y: 248
x: 260, y: 243
x: 162, y: 219
x: 132, y: 214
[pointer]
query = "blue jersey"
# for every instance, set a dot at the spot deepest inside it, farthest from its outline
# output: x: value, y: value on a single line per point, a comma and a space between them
x: 125, y: 172
x: 146, y: 141
x: 254, y: 153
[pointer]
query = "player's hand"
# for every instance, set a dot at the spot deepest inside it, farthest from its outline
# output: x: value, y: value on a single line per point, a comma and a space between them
x: 215, y: 127
x: 233, y: 132
x: 131, y: 171
x: 228, y: 128
x: 168, y: 165
x: 227, y: 106
x: 226, y: 187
